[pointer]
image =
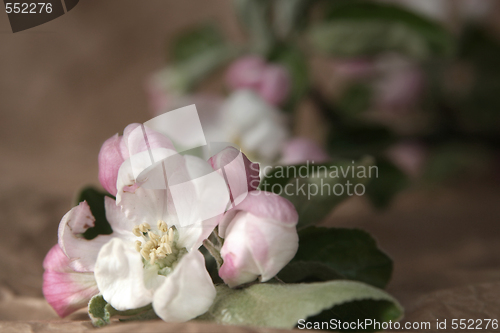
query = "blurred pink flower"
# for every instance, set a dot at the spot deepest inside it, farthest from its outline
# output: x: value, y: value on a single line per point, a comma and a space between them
x: 64, y: 289
x: 260, y: 238
x: 399, y: 89
x: 270, y: 81
x: 299, y: 150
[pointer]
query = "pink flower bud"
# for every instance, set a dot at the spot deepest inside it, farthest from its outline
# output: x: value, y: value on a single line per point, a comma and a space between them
x: 270, y: 81
x: 260, y: 238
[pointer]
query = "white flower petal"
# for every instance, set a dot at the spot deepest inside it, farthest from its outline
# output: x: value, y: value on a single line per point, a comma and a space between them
x: 196, y: 199
x: 132, y: 170
x: 80, y: 251
x: 119, y: 274
x: 121, y: 225
x: 187, y: 292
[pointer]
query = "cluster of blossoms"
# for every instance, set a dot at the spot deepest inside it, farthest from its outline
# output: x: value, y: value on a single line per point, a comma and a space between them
x: 250, y: 116
x: 152, y: 256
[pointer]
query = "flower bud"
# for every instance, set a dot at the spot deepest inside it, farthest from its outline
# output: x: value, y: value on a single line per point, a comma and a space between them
x: 260, y: 238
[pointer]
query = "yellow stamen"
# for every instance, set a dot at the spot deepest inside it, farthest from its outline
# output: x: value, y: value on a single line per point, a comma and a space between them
x: 171, y: 235
x: 136, y: 231
x: 138, y: 245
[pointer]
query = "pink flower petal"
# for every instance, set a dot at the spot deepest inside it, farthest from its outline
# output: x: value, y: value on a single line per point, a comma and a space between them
x: 110, y: 159
x: 270, y: 205
x: 275, y: 84
x: 136, y: 138
x: 245, y: 72
x: 64, y: 289
x: 240, y: 173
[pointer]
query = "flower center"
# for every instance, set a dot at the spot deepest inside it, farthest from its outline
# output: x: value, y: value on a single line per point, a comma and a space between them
x: 158, y: 247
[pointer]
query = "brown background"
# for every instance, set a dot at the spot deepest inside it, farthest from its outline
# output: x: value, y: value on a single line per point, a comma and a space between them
x: 68, y: 85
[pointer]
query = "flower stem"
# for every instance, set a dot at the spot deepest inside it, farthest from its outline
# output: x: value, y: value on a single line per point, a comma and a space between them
x: 214, y: 251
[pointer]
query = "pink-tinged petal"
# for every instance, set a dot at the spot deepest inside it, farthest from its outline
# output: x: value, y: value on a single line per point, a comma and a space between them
x: 277, y: 247
x: 139, y: 169
x: 81, y: 252
x: 119, y: 274
x: 187, y: 292
x: 270, y: 206
x: 110, y: 159
x: 260, y: 238
x: 240, y: 173
x: 138, y: 138
x: 240, y: 265
x: 245, y: 72
x: 301, y: 150
x: 64, y: 289
x: 275, y: 84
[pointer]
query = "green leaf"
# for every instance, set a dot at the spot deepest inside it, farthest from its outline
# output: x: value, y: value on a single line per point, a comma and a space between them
x: 295, y: 62
x: 195, y: 41
x: 361, y: 28
x: 330, y: 253
x: 255, y: 17
x: 95, y: 200
x: 100, y: 312
x: 290, y: 16
x: 390, y: 181
x: 283, y: 305
x: 316, y: 189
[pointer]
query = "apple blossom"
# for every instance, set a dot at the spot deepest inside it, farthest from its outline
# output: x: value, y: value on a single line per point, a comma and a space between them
x: 260, y: 238
x: 152, y: 254
x: 64, y: 289
x: 254, y: 125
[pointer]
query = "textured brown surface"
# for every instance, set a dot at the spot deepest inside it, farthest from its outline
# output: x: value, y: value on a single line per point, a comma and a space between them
x: 68, y: 85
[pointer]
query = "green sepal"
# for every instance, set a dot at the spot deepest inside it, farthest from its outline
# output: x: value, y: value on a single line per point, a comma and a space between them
x: 100, y: 312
